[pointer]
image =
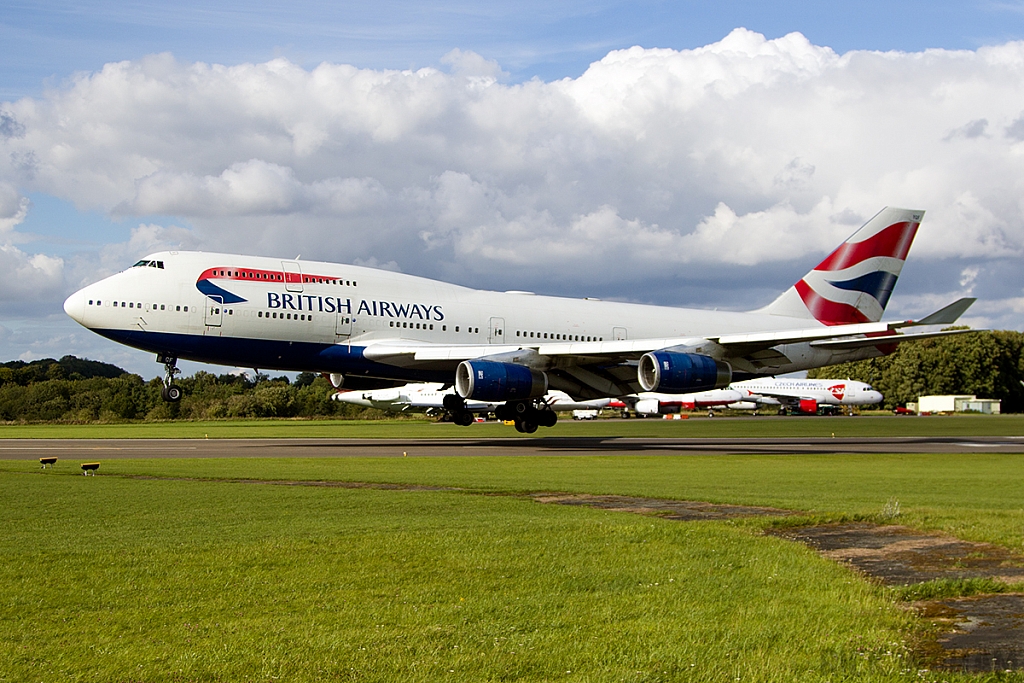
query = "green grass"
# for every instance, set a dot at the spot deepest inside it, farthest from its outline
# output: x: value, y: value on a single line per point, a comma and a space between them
x: 973, y: 496
x: 108, y: 579
x: 697, y: 426
x: 170, y: 570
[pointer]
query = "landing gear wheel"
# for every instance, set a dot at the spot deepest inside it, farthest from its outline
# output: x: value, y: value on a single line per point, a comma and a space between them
x: 711, y: 413
x: 546, y: 418
x: 521, y: 408
x: 170, y: 392
x: 526, y: 426
x: 453, y: 403
x: 463, y: 418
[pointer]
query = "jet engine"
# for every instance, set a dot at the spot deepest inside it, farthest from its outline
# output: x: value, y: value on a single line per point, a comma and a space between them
x: 647, y: 406
x: 484, y: 380
x: 680, y: 373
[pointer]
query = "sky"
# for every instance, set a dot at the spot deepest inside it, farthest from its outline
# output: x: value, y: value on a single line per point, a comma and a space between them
x: 677, y: 153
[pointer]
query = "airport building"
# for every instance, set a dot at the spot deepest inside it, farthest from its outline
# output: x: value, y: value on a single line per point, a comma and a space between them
x: 956, y: 403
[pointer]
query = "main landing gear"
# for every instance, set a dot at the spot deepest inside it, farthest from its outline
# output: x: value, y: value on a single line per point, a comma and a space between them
x: 526, y: 415
x: 171, y: 392
x: 456, y: 410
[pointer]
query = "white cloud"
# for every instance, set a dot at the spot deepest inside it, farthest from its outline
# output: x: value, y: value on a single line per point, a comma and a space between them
x: 13, y: 209
x: 27, y: 279
x: 741, y: 153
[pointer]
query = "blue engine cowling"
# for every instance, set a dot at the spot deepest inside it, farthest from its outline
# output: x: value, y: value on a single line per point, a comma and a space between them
x: 485, y: 380
x: 680, y: 373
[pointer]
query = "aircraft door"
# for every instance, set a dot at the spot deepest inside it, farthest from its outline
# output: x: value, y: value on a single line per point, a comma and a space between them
x: 213, y: 316
x: 344, y: 324
x: 496, y: 333
x: 618, y: 333
x: 292, y: 276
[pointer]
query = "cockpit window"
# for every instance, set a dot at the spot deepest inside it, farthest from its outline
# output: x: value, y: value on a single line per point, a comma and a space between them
x: 151, y: 264
x: 141, y: 263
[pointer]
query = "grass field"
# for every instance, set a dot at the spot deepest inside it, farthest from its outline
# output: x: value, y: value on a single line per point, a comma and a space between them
x: 172, y: 570
x: 697, y: 426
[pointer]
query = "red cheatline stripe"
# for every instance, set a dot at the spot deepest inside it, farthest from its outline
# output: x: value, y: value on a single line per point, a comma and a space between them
x: 894, y: 241
x: 253, y: 274
x: 827, y: 311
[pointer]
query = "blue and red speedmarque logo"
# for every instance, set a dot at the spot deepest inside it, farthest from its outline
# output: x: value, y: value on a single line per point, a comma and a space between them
x: 205, y: 285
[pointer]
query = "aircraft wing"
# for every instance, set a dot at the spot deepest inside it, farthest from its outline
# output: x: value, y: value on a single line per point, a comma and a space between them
x: 597, y: 369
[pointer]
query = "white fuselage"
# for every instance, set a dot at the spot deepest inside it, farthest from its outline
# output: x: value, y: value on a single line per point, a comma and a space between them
x: 429, y: 397
x: 250, y: 311
x: 750, y: 394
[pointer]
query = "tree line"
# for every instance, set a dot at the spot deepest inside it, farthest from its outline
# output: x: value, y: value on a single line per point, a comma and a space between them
x: 77, y: 390
x: 986, y: 364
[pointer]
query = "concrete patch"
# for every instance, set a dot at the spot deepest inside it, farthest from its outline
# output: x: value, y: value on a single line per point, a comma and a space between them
x: 984, y: 633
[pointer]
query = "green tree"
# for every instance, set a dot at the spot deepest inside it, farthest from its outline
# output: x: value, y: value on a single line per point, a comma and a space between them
x: 986, y: 364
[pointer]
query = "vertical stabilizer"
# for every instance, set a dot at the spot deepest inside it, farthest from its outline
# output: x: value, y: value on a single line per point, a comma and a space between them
x: 853, y: 284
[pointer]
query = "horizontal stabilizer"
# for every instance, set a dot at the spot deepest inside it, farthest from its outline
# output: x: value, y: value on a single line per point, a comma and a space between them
x: 948, y: 315
x: 863, y: 342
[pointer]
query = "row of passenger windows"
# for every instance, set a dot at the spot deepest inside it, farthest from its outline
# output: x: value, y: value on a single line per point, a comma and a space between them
x: 254, y: 275
x: 284, y: 316
x: 328, y: 281
x: 426, y: 326
x: 557, y: 337
x: 406, y: 325
x: 132, y: 304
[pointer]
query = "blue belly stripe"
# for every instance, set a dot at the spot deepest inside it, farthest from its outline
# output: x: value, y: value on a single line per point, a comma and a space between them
x: 270, y: 354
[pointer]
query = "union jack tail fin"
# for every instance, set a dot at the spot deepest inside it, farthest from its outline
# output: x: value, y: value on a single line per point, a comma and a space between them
x: 853, y: 283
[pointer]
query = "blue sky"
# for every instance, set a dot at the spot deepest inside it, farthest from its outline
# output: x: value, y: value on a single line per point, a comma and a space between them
x: 94, y: 172
x: 45, y: 41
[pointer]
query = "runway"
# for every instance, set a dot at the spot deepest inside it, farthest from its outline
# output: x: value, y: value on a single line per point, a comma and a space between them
x: 31, y: 449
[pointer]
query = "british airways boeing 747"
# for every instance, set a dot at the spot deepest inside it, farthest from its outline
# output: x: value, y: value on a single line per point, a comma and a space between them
x: 368, y: 328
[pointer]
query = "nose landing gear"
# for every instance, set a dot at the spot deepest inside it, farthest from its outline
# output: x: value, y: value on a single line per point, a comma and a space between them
x: 171, y: 392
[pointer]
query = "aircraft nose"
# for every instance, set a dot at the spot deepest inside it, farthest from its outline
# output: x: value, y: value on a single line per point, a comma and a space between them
x: 875, y: 396
x: 74, y: 306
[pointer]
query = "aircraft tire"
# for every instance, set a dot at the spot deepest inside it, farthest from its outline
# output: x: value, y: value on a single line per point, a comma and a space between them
x: 521, y: 408
x: 529, y: 427
x: 546, y: 418
x: 463, y: 418
x: 453, y: 402
x: 171, y: 394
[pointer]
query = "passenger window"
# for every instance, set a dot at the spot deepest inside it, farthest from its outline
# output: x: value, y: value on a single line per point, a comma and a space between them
x: 186, y: 309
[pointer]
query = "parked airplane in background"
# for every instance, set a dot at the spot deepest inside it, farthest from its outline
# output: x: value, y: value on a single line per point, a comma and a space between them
x: 372, y: 328
x: 429, y: 398
x: 801, y: 395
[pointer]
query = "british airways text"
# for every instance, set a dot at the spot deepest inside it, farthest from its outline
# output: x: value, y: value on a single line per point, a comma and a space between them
x: 329, y: 304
